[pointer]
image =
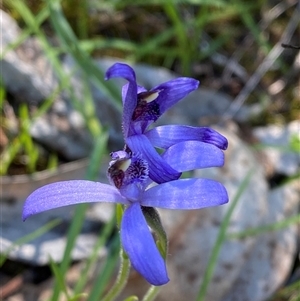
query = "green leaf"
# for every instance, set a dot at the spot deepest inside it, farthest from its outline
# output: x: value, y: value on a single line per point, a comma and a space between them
x: 154, y: 221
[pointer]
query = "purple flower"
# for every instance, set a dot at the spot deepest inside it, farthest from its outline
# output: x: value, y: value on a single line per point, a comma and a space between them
x: 141, y: 108
x: 135, y: 171
x: 133, y: 188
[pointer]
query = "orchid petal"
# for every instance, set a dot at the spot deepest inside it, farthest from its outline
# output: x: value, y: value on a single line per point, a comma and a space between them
x: 186, y: 194
x: 66, y: 193
x: 173, y: 91
x: 167, y: 135
x: 129, y: 93
x: 140, y: 246
x: 120, y: 70
x: 190, y: 155
x: 159, y: 170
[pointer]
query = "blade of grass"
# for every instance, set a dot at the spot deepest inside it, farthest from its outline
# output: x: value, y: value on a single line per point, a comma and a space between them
x: 60, y: 280
x: 256, y: 31
x: 73, y: 233
x: 105, y: 43
x: 8, y: 155
x: 213, y: 47
x: 107, y: 271
x: 132, y: 298
x: 221, y: 238
x: 52, y: 162
x: 102, y: 239
x: 289, y: 293
x: 2, y: 94
x: 153, y: 45
x: 293, y: 220
x: 181, y: 35
x: 30, y: 149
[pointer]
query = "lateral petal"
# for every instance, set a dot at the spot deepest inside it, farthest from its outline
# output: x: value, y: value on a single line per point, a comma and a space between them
x: 140, y: 246
x: 159, y: 170
x: 168, y: 135
x: 186, y: 194
x: 66, y: 193
x: 190, y: 155
x: 173, y: 91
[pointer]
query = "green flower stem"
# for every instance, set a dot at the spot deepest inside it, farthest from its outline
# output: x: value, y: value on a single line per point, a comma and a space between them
x: 151, y: 293
x: 121, y: 281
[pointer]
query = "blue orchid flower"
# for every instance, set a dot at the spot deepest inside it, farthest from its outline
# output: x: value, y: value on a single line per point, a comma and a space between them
x: 131, y: 186
x: 141, y: 108
x: 140, y: 176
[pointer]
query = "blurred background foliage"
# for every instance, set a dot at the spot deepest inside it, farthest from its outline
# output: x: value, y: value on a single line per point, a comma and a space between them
x: 221, y: 43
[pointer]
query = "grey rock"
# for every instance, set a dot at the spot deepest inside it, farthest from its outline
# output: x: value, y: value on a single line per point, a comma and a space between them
x: 26, y: 72
x: 276, y: 147
x: 59, y: 134
x: 269, y: 263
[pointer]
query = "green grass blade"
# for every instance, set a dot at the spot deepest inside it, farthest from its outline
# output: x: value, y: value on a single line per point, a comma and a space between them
x: 183, y: 42
x: 103, y: 237
x: 295, y: 219
x: 107, y: 271
x: 74, y: 230
x: 132, y: 298
x: 256, y: 31
x: 8, y: 155
x: 221, y: 238
x: 60, y: 280
x: 288, y: 293
x: 30, y: 149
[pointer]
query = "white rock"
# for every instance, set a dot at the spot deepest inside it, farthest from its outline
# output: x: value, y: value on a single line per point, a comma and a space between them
x: 269, y: 263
